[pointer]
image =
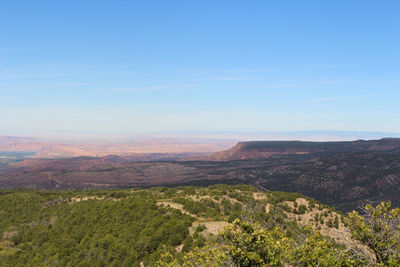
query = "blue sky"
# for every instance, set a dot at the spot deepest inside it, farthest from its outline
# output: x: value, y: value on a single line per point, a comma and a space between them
x: 154, y: 66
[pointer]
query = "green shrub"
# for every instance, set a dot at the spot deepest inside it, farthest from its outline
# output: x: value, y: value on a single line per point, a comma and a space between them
x: 336, y: 222
x: 301, y: 210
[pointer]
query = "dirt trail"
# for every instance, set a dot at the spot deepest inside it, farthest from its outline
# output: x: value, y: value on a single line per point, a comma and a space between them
x: 267, y: 208
x: 176, y: 206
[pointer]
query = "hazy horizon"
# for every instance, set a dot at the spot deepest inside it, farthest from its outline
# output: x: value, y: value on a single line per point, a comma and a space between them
x: 192, y: 136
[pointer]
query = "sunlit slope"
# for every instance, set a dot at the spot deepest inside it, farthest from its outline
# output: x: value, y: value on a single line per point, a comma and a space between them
x: 132, y: 226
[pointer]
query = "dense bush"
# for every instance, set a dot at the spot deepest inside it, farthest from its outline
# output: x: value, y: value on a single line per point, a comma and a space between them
x: 126, y: 227
x: 247, y: 244
x: 379, y: 229
x: 301, y: 209
x: 92, y: 232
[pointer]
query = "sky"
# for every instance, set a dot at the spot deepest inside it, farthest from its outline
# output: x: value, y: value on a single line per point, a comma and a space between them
x: 162, y: 66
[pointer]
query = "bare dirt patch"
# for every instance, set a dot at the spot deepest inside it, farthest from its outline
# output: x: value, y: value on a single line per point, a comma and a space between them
x: 86, y: 198
x: 179, y: 248
x: 302, y: 201
x: 259, y: 196
x: 53, y: 220
x: 212, y: 227
x: 9, y: 234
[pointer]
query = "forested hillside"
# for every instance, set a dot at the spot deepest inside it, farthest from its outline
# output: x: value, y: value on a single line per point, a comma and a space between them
x: 219, y: 225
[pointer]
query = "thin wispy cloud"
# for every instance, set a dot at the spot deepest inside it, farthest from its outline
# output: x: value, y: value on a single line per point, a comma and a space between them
x: 339, y: 98
x: 26, y: 76
x: 144, y: 88
x: 301, y: 84
x: 44, y: 86
x: 221, y: 79
x: 154, y: 88
x: 226, y: 79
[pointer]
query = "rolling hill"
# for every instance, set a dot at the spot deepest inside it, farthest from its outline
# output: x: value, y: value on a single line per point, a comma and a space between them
x: 135, y: 227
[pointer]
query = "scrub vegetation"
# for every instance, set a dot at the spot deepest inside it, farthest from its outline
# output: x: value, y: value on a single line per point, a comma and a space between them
x: 219, y: 225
